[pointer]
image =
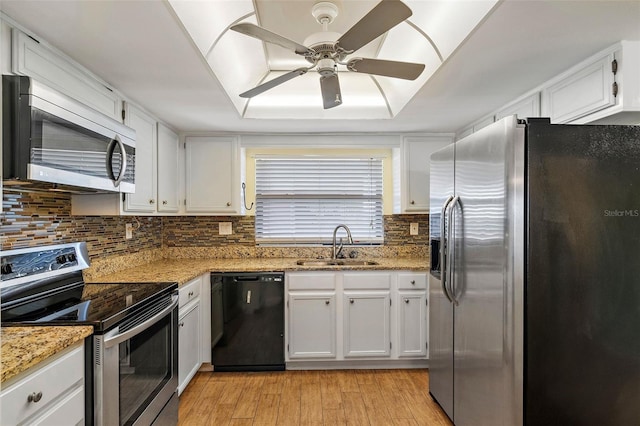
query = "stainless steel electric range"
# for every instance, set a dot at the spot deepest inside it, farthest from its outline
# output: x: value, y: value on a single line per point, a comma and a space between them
x: 131, y: 359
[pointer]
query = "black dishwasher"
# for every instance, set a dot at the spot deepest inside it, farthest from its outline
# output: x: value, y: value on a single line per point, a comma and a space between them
x: 253, y: 317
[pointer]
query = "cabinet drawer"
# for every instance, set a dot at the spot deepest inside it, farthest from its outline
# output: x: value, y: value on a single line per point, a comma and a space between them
x: 311, y: 281
x: 412, y: 281
x: 51, y: 381
x: 190, y: 291
x: 367, y: 280
x: 69, y: 411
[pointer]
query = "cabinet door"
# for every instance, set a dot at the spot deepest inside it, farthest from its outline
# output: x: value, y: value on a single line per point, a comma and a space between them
x: 32, y: 58
x: 211, y: 181
x: 188, y: 345
x: 144, y: 199
x: 586, y: 91
x: 412, y: 323
x: 366, y: 324
x: 168, y: 166
x: 417, y: 152
x: 527, y: 107
x: 312, y: 325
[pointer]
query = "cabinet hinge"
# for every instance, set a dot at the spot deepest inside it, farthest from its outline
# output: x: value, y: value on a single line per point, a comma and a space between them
x: 108, y: 88
x: 185, y: 201
x: 614, y: 66
x: 123, y: 112
x: 124, y: 197
x: 287, y: 303
x: 287, y: 348
x: 34, y: 39
x: 614, y: 89
x: 185, y: 145
x: 389, y: 302
x: 390, y: 346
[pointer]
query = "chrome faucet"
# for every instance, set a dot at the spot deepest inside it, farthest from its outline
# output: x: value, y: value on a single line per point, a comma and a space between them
x: 350, y: 240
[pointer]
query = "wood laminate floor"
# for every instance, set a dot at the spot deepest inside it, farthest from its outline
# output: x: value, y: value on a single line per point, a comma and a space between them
x: 333, y: 397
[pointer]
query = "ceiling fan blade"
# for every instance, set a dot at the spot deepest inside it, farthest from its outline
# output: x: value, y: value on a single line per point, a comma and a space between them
x: 273, y: 83
x: 270, y: 37
x: 331, y: 95
x: 404, y: 70
x: 384, y: 16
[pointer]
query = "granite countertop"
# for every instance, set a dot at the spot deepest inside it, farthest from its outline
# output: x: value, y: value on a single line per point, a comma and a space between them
x: 24, y: 347
x: 184, y: 270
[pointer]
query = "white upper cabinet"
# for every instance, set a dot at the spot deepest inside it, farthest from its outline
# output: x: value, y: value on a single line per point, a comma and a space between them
x: 523, y: 108
x: 416, y: 154
x: 582, y: 92
x: 212, y: 175
x: 167, y: 170
x: 34, y: 59
x: 144, y: 199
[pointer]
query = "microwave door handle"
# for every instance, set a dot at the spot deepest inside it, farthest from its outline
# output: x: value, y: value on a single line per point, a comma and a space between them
x: 110, y: 151
x: 121, y: 337
x: 443, y: 244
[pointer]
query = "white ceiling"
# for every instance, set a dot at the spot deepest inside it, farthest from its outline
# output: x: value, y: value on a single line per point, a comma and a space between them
x: 141, y: 48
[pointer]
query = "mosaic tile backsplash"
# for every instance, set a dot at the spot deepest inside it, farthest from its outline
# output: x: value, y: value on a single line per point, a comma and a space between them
x: 40, y: 218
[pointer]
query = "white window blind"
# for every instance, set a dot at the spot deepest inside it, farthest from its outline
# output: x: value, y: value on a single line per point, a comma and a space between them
x: 302, y: 199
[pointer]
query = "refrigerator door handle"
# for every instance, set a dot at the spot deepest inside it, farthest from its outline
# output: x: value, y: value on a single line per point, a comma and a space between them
x: 451, y: 250
x: 443, y: 249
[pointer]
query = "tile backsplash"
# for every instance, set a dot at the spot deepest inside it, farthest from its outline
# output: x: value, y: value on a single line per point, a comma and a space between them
x: 41, y: 218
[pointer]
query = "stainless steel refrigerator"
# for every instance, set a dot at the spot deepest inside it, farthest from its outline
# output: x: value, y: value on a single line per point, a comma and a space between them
x: 535, y: 275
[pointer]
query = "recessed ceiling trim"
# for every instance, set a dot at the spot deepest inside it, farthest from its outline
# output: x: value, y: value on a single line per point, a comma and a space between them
x: 240, y: 19
x: 425, y: 35
x: 384, y: 96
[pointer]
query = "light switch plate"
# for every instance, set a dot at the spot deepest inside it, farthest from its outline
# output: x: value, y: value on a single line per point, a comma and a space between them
x: 128, y: 231
x: 224, y: 228
x: 413, y: 229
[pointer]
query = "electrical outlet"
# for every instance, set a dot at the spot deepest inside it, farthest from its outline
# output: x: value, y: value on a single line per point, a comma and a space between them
x: 413, y: 229
x: 224, y: 228
x: 128, y: 228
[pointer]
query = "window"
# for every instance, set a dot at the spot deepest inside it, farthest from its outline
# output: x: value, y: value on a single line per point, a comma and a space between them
x: 301, y: 199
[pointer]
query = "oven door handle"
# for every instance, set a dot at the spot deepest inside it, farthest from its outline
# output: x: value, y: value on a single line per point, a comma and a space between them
x: 121, y: 337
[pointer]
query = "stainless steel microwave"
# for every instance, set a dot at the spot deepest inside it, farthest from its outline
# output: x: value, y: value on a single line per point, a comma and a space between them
x: 51, y: 138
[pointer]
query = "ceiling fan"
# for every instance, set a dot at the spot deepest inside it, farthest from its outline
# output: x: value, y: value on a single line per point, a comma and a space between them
x: 324, y: 54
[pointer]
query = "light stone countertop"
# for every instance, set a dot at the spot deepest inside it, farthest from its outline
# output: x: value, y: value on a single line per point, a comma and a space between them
x: 24, y: 347
x: 184, y: 270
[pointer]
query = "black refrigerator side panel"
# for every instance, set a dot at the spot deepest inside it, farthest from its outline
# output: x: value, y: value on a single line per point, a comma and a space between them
x: 582, y: 313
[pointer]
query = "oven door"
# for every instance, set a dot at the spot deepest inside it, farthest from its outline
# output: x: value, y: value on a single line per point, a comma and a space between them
x: 135, y: 367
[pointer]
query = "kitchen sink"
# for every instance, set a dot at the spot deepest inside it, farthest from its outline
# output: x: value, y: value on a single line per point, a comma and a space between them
x: 336, y: 262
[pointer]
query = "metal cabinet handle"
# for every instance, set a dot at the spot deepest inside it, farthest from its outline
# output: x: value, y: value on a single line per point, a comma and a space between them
x: 326, y: 302
x: 406, y: 300
x: 351, y: 301
x: 34, y: 397
x: 228, y: 204
x: 164, y: 202
x: 181, y: 324
x: 413, y: 282
x: 190, y: 293
x: 152, y: 201
x: 413, y: 202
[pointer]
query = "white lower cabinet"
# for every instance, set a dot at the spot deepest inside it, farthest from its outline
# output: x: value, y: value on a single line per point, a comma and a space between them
x: 188, y: 338
x: 312, y: 324
x: 190, y: 324
x: 375, y: 318
x: 412, y: 323
x: 366, y: 323
x: 51, y: 393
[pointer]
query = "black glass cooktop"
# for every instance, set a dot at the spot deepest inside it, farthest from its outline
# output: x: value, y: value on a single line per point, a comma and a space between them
x: 73, y: 302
